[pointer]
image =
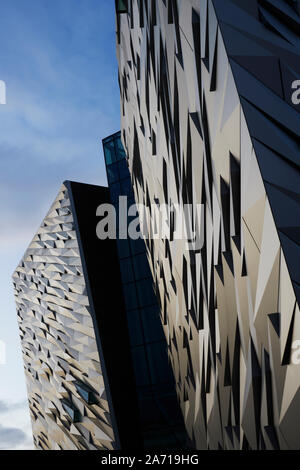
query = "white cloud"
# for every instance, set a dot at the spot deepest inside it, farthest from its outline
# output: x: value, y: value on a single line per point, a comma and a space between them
x: 15, y: 426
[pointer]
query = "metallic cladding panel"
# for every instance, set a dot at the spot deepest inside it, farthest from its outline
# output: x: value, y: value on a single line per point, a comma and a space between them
x: 161, y: 419
x: 66, y: 388
x: 207, y: 118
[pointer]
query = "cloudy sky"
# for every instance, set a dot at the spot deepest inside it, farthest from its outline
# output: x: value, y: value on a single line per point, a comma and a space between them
x: 57, y: 58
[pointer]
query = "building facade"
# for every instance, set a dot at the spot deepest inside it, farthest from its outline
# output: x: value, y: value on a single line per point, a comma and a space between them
x: 73, y: 330
x: 161, y: 421
x: 209, y: 118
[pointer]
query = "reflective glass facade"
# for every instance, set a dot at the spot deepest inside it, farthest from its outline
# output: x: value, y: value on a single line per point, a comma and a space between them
x: 160, y: 415
x: 209, y: 118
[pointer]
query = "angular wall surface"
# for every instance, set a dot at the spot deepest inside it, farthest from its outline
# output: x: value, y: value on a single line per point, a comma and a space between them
x: 208, y: 118
x: 73, y: 332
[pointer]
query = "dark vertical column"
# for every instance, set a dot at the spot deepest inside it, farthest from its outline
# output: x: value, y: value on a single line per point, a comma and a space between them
x: 102, y: 274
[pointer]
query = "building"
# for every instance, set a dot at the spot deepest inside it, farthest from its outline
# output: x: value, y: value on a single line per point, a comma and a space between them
x: 209, y: 118
x: 161, y: 421
x: 74, y: 332
x: 94, y: 351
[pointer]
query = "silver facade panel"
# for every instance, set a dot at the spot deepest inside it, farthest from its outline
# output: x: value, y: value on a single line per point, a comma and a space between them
x: 207, y: 119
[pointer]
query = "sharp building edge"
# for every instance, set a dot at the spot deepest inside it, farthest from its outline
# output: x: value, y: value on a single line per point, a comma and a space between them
x: 208, y: 118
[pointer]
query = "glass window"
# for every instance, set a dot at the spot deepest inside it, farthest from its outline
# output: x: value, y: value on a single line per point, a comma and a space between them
x: 86, y: 393
x: 153, y: 330
x: 160, y: 369
x: 122, y: 6
x: 140, y: 366
x: 126, y: 187
x: 109, y: 152
x: 112, y: 173
x: 72, y: 411
x: 123, y: 248
x: 137, y: 246
x: 82, y: 392
x: 122, y: 223
x: 169, y: 405
x: 135, y: 328
x: 141, y: 267
x: 123, y: 169
x: 151, y: 416
x: 130, y: 296
x: 146, y: 294
x: 126, y: 270
x: 114, y: 192
x: 120, y: 149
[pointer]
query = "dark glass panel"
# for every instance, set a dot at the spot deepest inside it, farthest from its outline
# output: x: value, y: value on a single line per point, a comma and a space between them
x: 130, y: 296
x: 145, y: 293
x: 152, y: 326
x: 112, y: 173
x: 141, y: 267
x: 109, y: 152
x: 86, y: 393
x: 123, y: 248
x: 114, y: 192
x: 126, y: 270
x: 126, y: 188
x: 123, y: 169
x: 72, y: 411
x: 120, y: 149
x: 135, y: 328
x: 137, y: 246
x: 158, y: 362
x: 140, y: 366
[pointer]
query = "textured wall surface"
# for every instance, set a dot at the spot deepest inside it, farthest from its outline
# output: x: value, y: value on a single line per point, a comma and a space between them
x: 66, y: 389
x: 207, y: 118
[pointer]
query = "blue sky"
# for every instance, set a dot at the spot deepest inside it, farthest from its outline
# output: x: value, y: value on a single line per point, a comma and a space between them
x: 57, y: 58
